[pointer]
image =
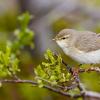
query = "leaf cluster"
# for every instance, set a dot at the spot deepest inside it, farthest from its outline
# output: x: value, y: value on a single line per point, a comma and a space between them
x: 23, y: 35
x: 9, y: 61
x: 51, y: 70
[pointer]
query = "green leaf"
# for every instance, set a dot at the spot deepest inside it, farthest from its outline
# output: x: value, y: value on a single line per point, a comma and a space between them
x: 24, y: 20
x: 8, y: 62
x: 40, y: 83
x: 23, y: 35
x: 52, y: 70
x: 0, y: 84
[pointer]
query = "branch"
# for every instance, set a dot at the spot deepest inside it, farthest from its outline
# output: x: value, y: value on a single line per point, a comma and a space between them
x: 18, y: 81
x: 36, y: 84
x: 83, y: 92
x: 75, y: 75
x: 96, y: 69
x: 86, y: 94
x: 92, y: 95
x: 60, y: 89
x: 67, y: 66
x: 89, y: 94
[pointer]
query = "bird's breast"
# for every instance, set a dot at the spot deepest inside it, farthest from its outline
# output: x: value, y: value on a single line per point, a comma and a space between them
x: 83, y: 57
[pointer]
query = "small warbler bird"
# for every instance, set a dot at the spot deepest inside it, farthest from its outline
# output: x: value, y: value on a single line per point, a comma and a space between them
x: 81, y: 46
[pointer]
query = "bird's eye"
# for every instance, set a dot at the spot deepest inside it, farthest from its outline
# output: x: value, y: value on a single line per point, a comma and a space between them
x: 63, y: 38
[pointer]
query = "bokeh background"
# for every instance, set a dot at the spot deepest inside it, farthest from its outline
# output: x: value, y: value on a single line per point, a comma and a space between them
x: 49, y: 17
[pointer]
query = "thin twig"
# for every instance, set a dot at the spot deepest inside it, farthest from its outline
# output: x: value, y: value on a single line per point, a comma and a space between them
x: 87, y: 93
x: 13, y: 74
x: 96, y: 69
x: 79, y: 85
x: 83, y: 92
x: 65, y: 88
x: 67, y: 66
x: 77, y: 80
x: 35, y: 83
x: 60, y: 89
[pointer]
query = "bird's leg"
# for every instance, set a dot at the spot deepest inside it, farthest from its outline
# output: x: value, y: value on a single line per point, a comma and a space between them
x: 86, y: 69
x: 75, y: 71
x: 89, y: 68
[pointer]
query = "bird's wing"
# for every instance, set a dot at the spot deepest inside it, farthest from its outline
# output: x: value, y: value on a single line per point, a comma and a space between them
x: 88, y: 42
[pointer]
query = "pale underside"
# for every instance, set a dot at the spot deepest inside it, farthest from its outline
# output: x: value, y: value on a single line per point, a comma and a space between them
x: 85, y: 57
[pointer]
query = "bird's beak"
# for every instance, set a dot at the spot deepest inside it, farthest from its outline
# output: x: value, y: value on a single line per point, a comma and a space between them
x: 53, y: 39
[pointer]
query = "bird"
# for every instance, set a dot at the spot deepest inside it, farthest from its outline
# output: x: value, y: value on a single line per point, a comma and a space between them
x: 81, y: 46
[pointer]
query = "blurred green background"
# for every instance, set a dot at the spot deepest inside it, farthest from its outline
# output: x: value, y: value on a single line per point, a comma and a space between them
x: 49, y: 17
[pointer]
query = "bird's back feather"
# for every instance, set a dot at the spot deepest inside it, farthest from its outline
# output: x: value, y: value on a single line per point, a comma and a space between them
x: 88, y: 41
